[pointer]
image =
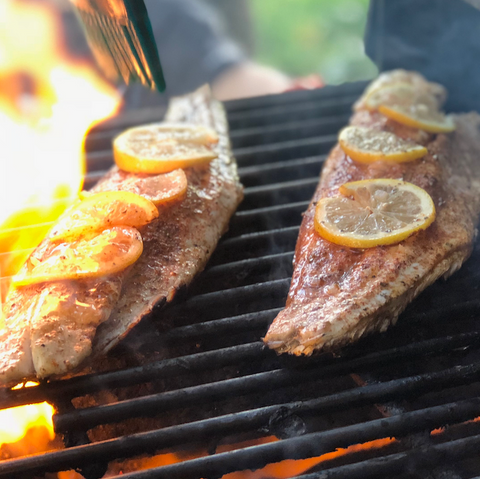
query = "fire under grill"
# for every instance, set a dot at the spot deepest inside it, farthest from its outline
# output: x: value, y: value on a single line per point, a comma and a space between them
x: 195, y: 376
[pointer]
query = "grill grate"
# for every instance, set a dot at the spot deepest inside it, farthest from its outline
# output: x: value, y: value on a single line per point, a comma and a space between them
x: 199, y: 371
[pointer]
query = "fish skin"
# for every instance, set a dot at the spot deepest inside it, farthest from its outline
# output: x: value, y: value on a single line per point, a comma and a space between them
x: 339, y: 294
x: 53, y: 328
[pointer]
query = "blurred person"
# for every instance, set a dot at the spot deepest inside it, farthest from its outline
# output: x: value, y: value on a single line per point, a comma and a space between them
x: 194, y: 49
x: 438, y: 38
x: 199, y: 41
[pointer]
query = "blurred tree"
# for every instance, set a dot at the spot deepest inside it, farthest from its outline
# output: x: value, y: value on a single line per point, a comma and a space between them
x: 313, y: 36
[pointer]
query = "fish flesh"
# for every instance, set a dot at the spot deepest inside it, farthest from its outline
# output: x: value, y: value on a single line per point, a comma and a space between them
x: 52, y: 328
x: 339, y: 294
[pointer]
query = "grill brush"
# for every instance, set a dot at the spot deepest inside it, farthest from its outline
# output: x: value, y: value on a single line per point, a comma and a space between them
x: 121, y: 38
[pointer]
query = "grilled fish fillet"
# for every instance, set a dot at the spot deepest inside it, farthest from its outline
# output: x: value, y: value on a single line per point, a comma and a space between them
x: 339, y: 294
x: 52, y: 328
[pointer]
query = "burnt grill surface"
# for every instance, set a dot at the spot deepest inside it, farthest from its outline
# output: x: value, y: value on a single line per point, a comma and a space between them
x: 198, y: 369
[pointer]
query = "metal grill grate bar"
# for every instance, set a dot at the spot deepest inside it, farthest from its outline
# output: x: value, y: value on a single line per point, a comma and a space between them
x: 232, y: 325
x: 277, y: 172
x: 298, y: 96
x: 283, y: 151
x: 268, y: 218
x: 244, y: 272
x: 150, y: 405
x: 302, y: 168
x: 279, y: 193
x: 233, y: 355
x: 287, y: 131
x: 296, y: 112
x: 230, y: 302
x: 82, y: 385
x: 281, y: 144
x: 395, y: 464
x: 255, y: 244
x: 310, y: 445
x: 316, y: 444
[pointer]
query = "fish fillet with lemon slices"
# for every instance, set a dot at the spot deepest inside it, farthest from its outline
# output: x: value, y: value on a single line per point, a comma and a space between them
x: 396, y: 208
x: 143, y: 232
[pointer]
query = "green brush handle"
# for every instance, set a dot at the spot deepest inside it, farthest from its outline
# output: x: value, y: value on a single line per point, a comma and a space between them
x: 136, y: 10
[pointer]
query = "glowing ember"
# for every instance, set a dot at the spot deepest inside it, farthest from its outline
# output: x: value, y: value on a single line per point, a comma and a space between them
x: 47, y: 104
x: 292, y: 468
x: 282, y: 470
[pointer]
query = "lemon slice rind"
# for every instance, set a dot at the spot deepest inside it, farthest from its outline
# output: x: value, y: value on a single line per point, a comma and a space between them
x: 164, y: 147
x: 134, y: 164
x: 110, y: 252
x: 396, y: 113
x: 99, y: 211
x: 396, y: 99
x: 374, y: 145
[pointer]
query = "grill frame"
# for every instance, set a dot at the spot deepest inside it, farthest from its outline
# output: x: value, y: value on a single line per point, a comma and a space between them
x: 273, y: 143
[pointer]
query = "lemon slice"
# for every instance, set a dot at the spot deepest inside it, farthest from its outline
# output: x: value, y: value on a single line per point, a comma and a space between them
x: 419, y: 115
x: 374, y: 212
x: 101, y: 211
x: 367, y: 145
x: 110, y: 252
x: 164, y: 147
x: 400, y: 93
x: 161, y: 189
x: 410, y: 106
x: 417, y: 81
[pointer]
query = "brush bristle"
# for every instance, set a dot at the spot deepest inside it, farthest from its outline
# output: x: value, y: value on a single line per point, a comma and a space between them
x: 123, y: 49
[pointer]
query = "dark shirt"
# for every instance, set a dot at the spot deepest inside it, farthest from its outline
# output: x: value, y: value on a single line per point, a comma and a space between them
x: 438, y: 38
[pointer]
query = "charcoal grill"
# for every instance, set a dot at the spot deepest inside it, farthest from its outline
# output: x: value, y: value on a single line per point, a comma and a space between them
x: 199, y: 371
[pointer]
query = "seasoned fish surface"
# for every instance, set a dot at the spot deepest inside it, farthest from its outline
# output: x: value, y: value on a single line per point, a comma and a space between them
x: 179, y: 242
x: 52, y: 328
x: 339, y: 294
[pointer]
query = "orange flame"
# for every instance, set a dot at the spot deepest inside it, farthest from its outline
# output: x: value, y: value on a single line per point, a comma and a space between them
x: 28, y: 430
x: 281, y: 470
x: 48, y: 102
x: 291, y: 468
x: 15, y: 421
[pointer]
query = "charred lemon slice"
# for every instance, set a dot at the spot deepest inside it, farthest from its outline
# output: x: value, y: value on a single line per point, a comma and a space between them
x: 101, y: 211
x: 374, y: 212
x: 367, y: 145
x: 110, y: 252
x: 164, y: 147
x: 162, y: 189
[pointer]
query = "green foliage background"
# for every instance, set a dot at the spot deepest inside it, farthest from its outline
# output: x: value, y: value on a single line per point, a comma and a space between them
x: 313, y: 36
